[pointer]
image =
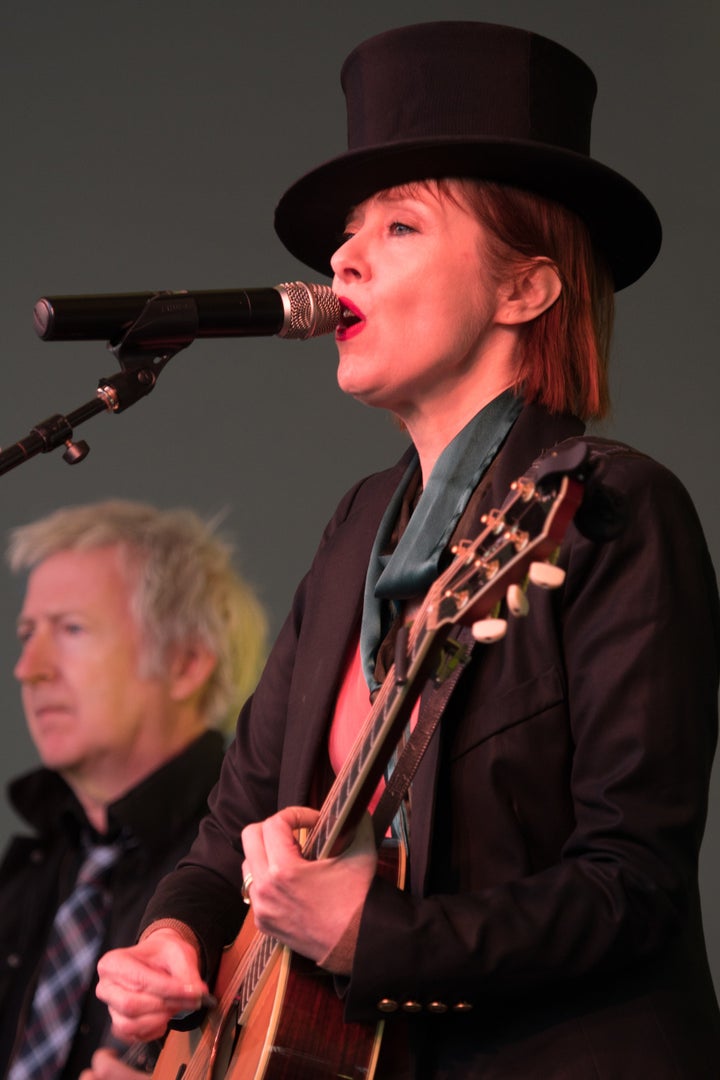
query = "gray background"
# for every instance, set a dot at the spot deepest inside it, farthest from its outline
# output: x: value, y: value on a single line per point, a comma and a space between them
x: 144, y: 147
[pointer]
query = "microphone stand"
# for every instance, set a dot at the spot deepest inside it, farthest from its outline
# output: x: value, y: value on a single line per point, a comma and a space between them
x: 155, y: 336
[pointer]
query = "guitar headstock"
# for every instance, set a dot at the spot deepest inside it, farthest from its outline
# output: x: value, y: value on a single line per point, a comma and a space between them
x: 517, y: 544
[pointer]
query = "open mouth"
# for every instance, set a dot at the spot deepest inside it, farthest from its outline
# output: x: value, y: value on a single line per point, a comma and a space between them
x: 351, y: 320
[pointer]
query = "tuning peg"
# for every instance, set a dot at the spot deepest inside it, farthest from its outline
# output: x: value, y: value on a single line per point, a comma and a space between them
x: 546, y: 575
x: 487, y: 631
x: 517, y: 601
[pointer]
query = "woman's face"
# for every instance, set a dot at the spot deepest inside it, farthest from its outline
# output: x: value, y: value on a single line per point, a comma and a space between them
x: 413, y: 268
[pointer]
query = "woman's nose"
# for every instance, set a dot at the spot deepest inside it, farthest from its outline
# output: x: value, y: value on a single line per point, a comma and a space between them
x: 350, y: 261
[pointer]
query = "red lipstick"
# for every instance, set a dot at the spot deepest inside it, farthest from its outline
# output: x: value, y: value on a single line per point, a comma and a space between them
x: 352, y: 322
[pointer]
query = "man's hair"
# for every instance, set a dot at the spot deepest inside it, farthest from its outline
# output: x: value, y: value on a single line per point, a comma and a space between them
x: 183, y: 588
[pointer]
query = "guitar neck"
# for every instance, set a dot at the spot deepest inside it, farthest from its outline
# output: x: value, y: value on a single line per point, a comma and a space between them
x: 365, y: 765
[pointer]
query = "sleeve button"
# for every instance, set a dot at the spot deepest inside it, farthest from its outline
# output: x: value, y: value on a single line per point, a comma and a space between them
x: 411, y: 1006
x: 437, y: 1007
x: 462, y: 1007
x: 387, y: 1005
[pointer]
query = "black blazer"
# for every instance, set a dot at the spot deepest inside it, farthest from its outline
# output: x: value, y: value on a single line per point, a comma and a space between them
x: 556, y: 818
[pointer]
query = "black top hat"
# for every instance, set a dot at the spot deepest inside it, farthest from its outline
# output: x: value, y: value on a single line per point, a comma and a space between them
x: 469, y: 99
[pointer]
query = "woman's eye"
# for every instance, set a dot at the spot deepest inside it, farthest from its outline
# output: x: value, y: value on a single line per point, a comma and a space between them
x: 399, y: 228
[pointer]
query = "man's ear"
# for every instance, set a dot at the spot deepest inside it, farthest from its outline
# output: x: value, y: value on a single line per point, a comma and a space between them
x: 530, y: 292
x: 190, y: 668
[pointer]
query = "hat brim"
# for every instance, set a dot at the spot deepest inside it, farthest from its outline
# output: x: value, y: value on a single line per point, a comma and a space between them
x: 311, y: 215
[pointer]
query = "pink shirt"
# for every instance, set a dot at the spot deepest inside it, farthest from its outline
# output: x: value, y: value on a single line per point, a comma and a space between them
x: 352, y: 708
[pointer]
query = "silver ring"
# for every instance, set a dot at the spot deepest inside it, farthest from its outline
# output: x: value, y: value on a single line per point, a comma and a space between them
x: 245, y: 890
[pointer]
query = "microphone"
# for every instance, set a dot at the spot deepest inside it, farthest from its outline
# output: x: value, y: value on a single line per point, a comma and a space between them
x: 292, y: 310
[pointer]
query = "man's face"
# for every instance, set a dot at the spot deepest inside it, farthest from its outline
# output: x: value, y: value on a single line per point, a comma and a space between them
x: 89, y: 712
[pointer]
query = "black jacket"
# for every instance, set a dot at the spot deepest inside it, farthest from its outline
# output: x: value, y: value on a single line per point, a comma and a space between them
x: 159, y: 817
x: 556, y: 818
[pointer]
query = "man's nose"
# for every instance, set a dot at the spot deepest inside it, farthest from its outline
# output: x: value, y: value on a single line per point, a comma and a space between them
x: 36, y: 659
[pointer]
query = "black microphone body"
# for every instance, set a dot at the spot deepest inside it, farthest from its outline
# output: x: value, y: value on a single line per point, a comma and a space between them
x: 293, y: 310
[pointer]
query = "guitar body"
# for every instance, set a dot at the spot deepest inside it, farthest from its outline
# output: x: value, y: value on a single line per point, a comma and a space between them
x: 292, y: 1027
x: 295, y: 1030
x: 206, y: 1052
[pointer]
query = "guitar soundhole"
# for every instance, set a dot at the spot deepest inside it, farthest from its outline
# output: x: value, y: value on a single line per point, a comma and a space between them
x: 224, y: 1045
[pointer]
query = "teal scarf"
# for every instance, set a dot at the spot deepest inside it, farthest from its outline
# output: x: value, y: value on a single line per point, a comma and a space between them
x: 413, y: 565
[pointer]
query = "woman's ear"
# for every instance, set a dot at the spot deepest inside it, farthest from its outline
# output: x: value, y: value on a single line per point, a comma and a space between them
x: 530, y: 292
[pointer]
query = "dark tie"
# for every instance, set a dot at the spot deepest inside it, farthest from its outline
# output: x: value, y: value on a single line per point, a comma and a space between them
x: 66, y: 970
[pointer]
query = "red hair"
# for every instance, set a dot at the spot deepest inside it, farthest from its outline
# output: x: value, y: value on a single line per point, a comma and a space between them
x: 565, y: 351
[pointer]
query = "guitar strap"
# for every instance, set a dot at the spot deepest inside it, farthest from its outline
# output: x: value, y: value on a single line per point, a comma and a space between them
x: 455, y: 656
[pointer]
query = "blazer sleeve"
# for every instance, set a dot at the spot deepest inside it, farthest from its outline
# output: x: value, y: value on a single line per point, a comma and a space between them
x: 204, y: 891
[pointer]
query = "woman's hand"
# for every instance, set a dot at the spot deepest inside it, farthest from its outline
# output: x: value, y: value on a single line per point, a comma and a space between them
x: 307, y: 905
x: 146, y: 985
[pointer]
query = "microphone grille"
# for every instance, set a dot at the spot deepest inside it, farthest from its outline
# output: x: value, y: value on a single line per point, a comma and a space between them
x: 310, y: 310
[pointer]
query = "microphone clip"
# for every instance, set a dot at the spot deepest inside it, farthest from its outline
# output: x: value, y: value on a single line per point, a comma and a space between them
x: 167, y: 323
